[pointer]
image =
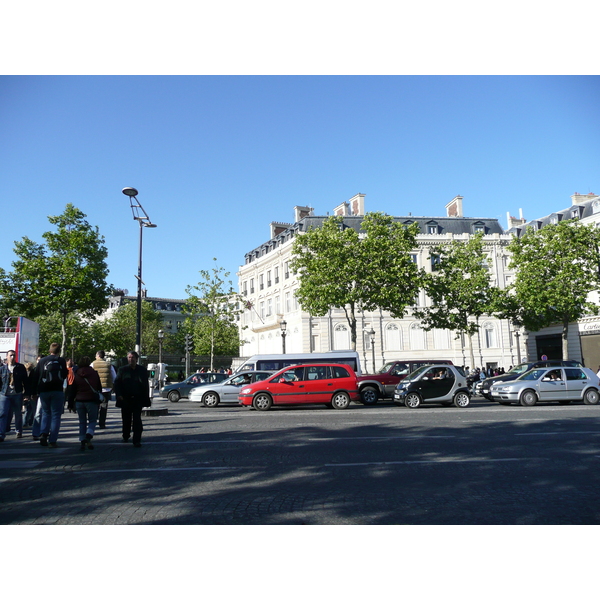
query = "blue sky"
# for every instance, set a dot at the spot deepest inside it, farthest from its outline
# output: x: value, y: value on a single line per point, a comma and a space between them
x: 217, y: 158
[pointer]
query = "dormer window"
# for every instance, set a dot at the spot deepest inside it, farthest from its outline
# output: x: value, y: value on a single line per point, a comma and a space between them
x: 478, y: 227
x: 575, y: 213
x: 432, y: 227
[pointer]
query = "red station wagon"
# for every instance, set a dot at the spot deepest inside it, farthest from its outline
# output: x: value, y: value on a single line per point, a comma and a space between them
x: 333, y: 385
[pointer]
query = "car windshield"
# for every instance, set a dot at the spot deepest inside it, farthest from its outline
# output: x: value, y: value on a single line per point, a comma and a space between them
x: 386, y: 367
x: 532, y: 375
x: 416, y: 373
x: 519, y: 369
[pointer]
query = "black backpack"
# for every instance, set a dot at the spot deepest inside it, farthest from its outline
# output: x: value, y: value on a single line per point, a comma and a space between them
x: 52, y: 371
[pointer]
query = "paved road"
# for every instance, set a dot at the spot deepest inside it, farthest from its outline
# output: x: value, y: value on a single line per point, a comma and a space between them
x: 487, y: 464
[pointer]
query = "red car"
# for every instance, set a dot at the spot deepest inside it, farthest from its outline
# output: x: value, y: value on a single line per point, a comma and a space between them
x: 333, y: 385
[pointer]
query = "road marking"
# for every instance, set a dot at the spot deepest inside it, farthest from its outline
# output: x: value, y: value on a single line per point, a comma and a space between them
x: 18, y: 464
x: 386, y: 437
x: 561, y: 433
x: 417, y: 462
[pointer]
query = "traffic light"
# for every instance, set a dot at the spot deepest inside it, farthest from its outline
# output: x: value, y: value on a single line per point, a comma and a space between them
x: 188, y: 342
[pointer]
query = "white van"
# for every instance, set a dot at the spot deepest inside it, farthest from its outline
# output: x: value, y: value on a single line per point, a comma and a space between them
x: 275, y: 362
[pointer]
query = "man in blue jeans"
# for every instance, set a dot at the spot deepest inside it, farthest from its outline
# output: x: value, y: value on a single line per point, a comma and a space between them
x: 13, y: 379
x: 49, y: 376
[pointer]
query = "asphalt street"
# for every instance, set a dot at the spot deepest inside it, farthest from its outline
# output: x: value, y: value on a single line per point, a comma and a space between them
x: 486, y: 464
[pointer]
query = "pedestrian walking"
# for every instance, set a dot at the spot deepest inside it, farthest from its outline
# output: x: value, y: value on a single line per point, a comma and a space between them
x: 29, y: 399
x: 107, y: 375
x: 86, y: 392
x: 49, y: 376
x: 13, y: 384
x: 133, y: 394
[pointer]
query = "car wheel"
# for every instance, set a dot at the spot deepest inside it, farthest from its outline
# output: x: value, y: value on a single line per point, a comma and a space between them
x: 340, y: 400
x: 462, y: 400
x: 173, y: 396
x: 413, y: 400
x: 262, y: 402
x: 369, y: 395
x: 528, y: 398
x: 210, y: 399
x: 591, y: 397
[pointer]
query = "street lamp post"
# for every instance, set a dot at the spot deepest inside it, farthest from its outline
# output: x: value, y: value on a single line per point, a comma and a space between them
x: 141, y: 216
x: 371, y: 334
x: 283, y: 326
x: 518, y: 335
x: 161, y: 335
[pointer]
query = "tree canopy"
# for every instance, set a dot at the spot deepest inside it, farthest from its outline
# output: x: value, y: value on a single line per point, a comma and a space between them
x: 66, y: 275
x: 556, y: 268
x: 339, y: 268
x: 459, y: 289
x: 212, y: 309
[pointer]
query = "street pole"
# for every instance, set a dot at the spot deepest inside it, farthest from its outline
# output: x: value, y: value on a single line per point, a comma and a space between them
x: 372, y: 337
x: 283, y: 326
x: 140, y: 215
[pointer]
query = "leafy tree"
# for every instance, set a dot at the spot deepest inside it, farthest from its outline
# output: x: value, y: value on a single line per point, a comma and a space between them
x: 117, y: 333
x: 338, y: 268
x: 212, y: 309
x: 64, y: 276
x: 458, y: 289
x: 556, y: 268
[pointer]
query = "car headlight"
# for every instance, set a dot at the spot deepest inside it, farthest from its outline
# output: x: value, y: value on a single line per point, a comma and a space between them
x: 246, y: 391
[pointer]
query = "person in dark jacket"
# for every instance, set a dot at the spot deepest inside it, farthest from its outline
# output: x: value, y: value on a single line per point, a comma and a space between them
x: 13, y: 384
x: 86, y: 389
x: 133, y: 394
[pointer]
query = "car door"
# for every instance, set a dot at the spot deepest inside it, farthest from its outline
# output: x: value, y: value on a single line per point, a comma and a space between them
x: 440, y: 384
x: 229, y: 390
x: 552, y: 386
x: 317, y: 384
x: 289, y: 386
x: 577, y: 380
x: 390, y: 380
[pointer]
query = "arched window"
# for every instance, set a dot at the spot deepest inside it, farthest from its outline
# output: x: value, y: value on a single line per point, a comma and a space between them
x: 341, y: 337
x: 417, y: 337
x: 489, y: 335
x: 393, y: 337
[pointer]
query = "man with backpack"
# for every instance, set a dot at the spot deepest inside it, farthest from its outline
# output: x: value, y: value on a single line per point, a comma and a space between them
x: 48, y: 378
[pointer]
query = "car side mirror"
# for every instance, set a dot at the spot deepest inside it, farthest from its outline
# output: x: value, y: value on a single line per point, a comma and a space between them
x: 282, y: 380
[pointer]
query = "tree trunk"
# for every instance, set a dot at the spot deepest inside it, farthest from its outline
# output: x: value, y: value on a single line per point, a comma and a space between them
x: 63, y: 327
x: 351, y: 318
x: 565, y: 339
x: 471, y: 352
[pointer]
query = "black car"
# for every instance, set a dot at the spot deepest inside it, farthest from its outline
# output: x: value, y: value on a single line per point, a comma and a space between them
x: 483, y: 388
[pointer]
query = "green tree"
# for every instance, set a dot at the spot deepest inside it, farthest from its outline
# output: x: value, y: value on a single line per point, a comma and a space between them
x: 212, y: 309
x: 117, y: 333
x: 556, y: 268
x: 339, y: 268
x: 64, y: 276
x: 459, y: 289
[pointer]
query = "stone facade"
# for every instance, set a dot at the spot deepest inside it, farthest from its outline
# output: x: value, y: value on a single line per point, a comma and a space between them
x: 268, y: 286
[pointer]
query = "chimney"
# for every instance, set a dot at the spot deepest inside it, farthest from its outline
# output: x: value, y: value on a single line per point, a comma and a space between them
x: 357, y: 205
x: 302, y: 211
x: 513, y: 221
x: 454, y: 208
x: 277, y: 228
x: 578, y: 198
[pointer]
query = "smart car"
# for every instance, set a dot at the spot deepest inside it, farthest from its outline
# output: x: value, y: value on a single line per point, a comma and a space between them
x: 563, y: 385
x: 330, y: 384
x: 445, y: 384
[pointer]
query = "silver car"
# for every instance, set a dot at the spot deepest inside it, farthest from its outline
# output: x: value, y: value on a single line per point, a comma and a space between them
x: 563, y: 385
x: 227, y: 391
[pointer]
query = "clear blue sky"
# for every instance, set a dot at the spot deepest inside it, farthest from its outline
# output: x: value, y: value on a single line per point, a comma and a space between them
x: 217, y: 158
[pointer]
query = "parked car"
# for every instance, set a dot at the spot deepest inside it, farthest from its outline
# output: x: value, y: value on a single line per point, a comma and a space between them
x: 330, y: 384
x: 213, y: 394
x: 563, y: 385
x: 445, y: 384
x: 383, y: 383
x: 483, y: 387
x: 175, y: 391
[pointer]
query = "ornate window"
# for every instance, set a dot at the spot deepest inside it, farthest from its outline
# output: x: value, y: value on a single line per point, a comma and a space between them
x: 341, y: 337
x: 441, y: 339
x: 489, y: 335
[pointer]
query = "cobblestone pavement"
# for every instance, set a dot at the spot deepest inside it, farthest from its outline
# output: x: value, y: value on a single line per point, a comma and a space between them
x: 486, y: 464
